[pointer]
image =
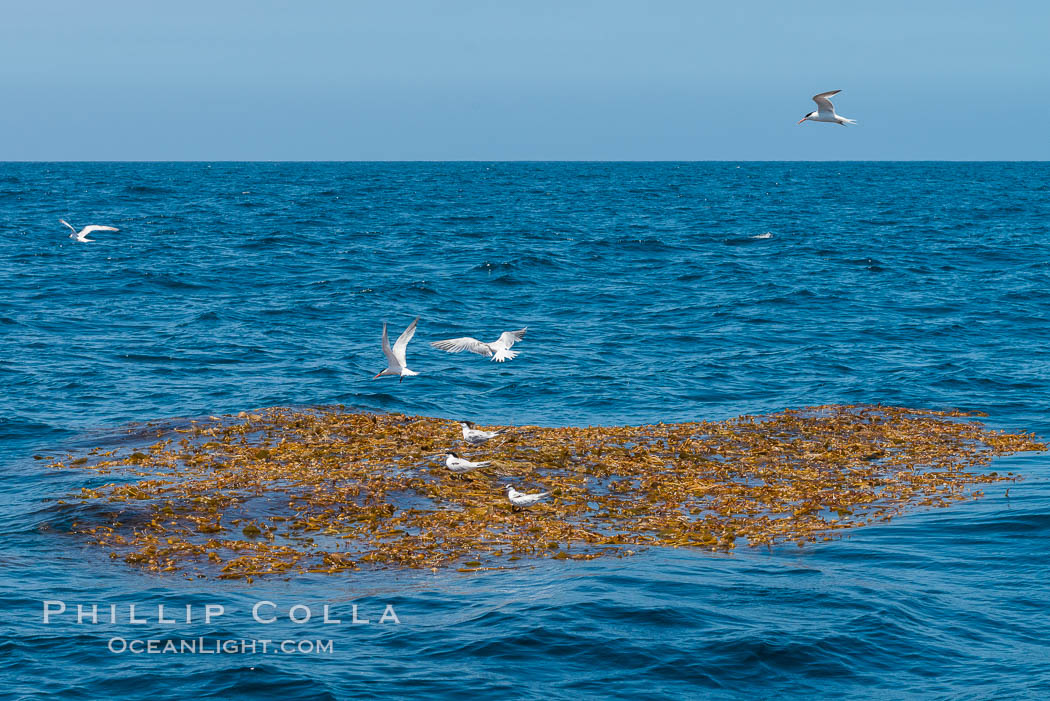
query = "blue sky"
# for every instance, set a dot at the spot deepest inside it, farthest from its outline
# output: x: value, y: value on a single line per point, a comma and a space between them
x: 407, y: 80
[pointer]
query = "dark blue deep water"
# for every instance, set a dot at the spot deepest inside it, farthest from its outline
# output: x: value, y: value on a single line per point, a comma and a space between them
x: 652, y: 292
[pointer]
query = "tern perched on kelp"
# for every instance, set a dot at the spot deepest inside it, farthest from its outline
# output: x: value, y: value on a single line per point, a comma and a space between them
x: 499, y: 350
x: 460, y: 465
x: 395, y: 358
x: 81, y: 236
x: 825, y: 110
x: 521, y: 500
x: 476, y: 435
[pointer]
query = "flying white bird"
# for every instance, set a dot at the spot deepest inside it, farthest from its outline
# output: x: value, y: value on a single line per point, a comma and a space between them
x: 499, y: 350
x: 524, y: 501
x: 81, y: 235
x: 476, y: 435
x: 826, y: 111
x: 395, y: 358
x: 461, y: 466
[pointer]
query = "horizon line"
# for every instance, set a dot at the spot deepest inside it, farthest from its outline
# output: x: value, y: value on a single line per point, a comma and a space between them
x: 532, y: 160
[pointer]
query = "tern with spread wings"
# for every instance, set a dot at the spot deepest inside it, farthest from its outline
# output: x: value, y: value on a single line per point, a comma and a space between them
x: 395, y: 357
x: 825, y: 110
x: 499, y: 350
x: 81, y: 236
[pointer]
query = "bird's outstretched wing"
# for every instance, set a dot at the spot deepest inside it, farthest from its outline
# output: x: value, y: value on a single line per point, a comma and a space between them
x: 509, y: 338
x: 823, y: 103
x: 96, y: 227
x: 465, y: 343
x: 402, y: 341
x: 390, y: 359
x: 69, y: 225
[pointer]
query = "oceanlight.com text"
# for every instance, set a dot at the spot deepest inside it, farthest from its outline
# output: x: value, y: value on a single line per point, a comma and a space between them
x: 217, y: 646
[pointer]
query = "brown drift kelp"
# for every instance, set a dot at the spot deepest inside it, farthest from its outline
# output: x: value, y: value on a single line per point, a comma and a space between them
x: 287, y: 491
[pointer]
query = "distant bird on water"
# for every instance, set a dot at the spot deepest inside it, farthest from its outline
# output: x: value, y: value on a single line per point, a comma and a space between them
x: 475, y: 435
x: 523, y: 501
x: 825, y: 110
x: 395, y: 358
x: 499, y: 350
x: 81, y: 236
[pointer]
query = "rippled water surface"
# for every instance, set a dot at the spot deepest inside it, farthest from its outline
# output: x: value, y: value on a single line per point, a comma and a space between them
x: 652, y: 292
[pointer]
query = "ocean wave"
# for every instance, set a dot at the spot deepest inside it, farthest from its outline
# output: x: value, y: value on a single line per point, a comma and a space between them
x: 18, y: 427
x: 747, y: 240
x: 147, y: 190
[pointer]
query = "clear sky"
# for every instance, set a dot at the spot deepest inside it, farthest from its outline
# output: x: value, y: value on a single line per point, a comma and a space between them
x: 529, y: 79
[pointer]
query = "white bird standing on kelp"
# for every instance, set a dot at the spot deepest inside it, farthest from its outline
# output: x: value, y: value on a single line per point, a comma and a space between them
x: 81, y: 236
x: 523, y: 501
x: 460, y: 465
x: 395, y: 358
x: 476, y: 435
x: 825, y: 110
x: 499, y: 350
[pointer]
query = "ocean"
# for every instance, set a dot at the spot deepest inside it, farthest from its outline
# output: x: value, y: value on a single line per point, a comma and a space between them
x: 651, y: 292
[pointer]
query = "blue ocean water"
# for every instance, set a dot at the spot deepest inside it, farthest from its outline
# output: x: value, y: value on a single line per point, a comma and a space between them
x: 652, y: 292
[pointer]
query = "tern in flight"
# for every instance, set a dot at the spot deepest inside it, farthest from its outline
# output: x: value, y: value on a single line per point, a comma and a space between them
x: 81, y: 235
x: 523, y: 501
x: 499, y: 350
x: 395, y: 358
x: 461, y: 466
x: 476, y: 435
x: 825, y: 110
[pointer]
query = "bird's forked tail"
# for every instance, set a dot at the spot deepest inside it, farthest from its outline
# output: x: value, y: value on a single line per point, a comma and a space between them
x: 504, y: 354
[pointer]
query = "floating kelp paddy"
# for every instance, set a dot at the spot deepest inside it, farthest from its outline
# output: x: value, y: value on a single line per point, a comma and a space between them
x: 285, y: 491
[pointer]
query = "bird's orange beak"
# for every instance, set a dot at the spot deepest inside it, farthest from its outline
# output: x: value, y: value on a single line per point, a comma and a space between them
x: 802, y: 120
x: 377, y: 376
